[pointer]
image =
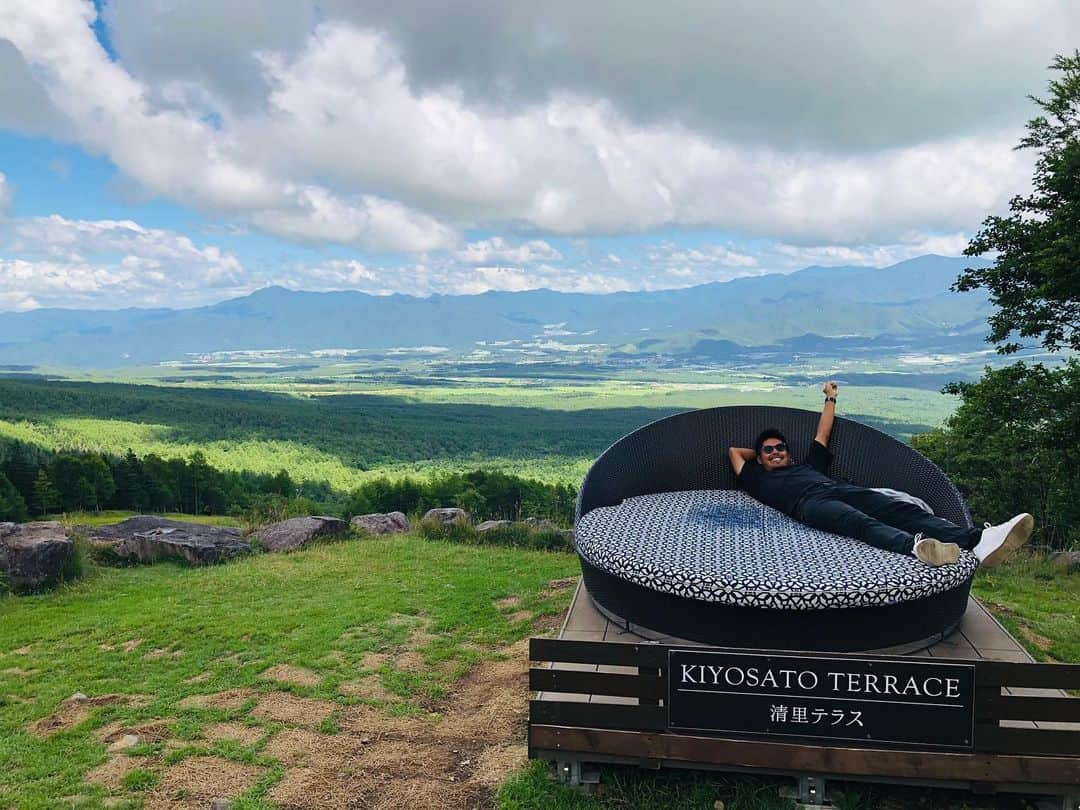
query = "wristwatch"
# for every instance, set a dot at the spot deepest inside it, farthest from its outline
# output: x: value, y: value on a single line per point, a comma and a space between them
x: 831, y: 399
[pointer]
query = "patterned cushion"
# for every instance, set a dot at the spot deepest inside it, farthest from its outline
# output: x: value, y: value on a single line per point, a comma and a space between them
x: 723, y: 546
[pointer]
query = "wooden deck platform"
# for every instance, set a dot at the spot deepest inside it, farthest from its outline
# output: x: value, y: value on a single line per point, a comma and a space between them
x: 979, y: 637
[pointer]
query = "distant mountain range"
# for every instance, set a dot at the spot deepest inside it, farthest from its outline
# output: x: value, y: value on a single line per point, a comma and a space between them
x: 908, y: 304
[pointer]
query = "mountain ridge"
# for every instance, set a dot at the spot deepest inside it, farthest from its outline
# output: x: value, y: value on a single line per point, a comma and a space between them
x: 911, y: 298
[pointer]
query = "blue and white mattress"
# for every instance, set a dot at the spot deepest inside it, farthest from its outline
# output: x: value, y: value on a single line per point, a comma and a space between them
x: 723, y: 546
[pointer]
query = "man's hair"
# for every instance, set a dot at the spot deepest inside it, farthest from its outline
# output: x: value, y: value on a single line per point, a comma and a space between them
x: 764, y: 436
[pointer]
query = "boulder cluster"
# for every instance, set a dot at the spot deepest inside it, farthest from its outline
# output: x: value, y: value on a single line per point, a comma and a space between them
x: 37, y: 555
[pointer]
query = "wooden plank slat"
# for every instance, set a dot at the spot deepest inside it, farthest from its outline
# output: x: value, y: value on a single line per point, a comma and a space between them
x: 597, y: 683
x: 597, y: 652
x: 1003, y: 707
x: 650, y: 673
x: 1039, y: 676
x: 824, y: 759
x: 597, y: 715
x: 1020, y: 741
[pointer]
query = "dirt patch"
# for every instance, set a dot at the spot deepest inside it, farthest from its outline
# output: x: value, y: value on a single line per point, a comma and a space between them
x: 419, y: 638
x: 29, y: 648
x: 111, y: 772
x: 163, y: 652
x: 493, y: 765
x: 409, y: 661
x: 369, y: 688
x: 17, y: 672
x: 404, y: 620
x: 129, y: 646
x: 431, y: 794
x: 301, y: 747
x: 562, y: 584
x: 507, y: 602
x: 230, y: 700
x: 282, y: 707
x: 238, y: 732
x: 1041, y: 642
x: 519, y: 616
x: 543, y: 625
x: 202, y: 677
x: 321, y: 789
x: 152, y: 732
x: 106, y: 647
x: 455, y: 759
x: 374, y: 722
x: 194, y: 781
x: 286, y: 673
x: 490, y: 702
x: 373, y: 660
x: 74, y: 711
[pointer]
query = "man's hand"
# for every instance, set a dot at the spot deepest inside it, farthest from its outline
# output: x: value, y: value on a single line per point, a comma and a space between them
x: 824, y: 427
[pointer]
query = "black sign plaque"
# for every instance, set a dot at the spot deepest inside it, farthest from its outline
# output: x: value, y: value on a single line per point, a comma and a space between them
x: 864, y: 701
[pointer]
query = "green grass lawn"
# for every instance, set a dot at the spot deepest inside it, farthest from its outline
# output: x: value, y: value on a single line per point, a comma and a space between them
x: 397, y: 622
x: 1038, y: 602
x: 327, y: 659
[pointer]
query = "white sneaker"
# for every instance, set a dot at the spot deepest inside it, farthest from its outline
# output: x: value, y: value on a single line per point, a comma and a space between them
x: 998, y: 542
x: 935, y: 553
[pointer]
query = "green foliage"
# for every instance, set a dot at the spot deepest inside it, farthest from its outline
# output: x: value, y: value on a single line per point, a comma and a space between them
x: 625, y: 787
x: 12, y: 506
x: 1034, y: 279
x: 485, y: 494
x: 516, y: 535
x: 46, y: 497
x: 1013, y: 446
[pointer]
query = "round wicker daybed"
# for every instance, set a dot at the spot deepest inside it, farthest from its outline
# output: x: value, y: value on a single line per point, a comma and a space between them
x: 669, y: 547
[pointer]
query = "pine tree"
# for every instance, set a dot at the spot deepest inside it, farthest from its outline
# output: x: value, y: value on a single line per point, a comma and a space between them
x: 46, y: 496
x: 12, y: 505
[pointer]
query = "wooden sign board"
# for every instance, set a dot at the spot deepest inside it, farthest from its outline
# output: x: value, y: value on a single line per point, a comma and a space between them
x: 863, y: 701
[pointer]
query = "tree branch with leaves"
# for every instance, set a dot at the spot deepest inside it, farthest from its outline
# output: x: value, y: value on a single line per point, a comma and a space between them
x: 1035, y: 278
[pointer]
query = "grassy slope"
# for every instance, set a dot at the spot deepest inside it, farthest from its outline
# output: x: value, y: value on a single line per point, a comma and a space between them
x: 1038, y: 602
x: 323, y: 608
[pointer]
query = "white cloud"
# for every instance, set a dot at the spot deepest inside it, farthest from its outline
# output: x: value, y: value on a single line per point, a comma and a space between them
x: 333, y: 136
x: 169, y: 146
x: 6, y: 195
x: 842, y: 75
x: 445, y: 276
x: 497, y: 249
x: 795, y: 257
x: 55, y: 261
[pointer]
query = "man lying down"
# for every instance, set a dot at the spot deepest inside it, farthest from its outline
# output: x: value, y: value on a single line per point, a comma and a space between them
x: 807, y: 494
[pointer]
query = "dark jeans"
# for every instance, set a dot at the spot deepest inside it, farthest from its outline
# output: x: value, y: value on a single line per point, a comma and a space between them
x: 876, y: 518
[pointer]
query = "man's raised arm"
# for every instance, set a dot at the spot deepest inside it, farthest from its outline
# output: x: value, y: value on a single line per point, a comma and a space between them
x: 824, y: 425
x: 739, y: 456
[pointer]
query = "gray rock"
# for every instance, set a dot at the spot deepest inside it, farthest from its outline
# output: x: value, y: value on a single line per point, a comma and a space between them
x: 381, y: 523
x: 148, y: 538
x: 1068, y: 559
x: 300, y: 531
x: 489, y: 525
x: 447, y: 515
x: 33, y: 555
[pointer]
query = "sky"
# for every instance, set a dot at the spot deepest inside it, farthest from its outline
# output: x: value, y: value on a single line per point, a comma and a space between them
x: 181, y: 152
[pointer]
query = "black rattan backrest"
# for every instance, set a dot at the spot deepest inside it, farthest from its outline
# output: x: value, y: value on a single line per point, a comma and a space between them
x: 689, y: 451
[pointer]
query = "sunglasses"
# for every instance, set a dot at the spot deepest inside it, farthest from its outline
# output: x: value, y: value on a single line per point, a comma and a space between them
x: 774, y: 448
